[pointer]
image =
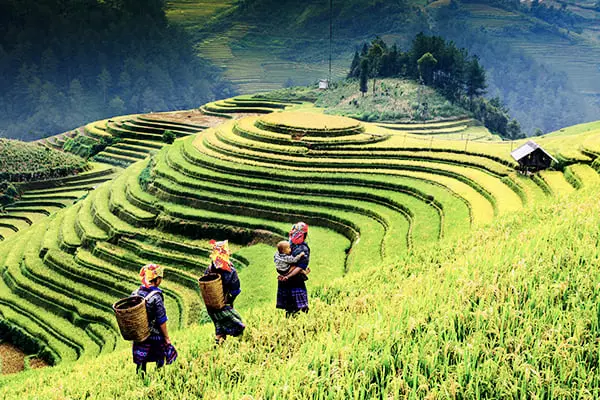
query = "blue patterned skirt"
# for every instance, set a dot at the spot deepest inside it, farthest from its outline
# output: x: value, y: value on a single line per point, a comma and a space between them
x: 154, y: 349
x: 292, y: 295
x: 227, y: 321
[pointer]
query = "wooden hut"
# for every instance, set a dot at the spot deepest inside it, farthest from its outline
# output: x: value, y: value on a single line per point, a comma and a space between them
x: 323, y: 84
x: 531, y: 157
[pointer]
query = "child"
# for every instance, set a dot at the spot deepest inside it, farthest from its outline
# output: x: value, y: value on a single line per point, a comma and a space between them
x: 284, y: 260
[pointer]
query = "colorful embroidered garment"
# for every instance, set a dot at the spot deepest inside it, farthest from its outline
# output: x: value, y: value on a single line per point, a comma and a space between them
x: 154, y: 349
x: 150, y: 272
x: 220, y: 255
x: 298, y: 233
x: 292, y: 295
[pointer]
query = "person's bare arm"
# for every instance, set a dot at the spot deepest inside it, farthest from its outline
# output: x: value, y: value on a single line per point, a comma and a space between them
x: 293, y: 272
x: 163, y: 329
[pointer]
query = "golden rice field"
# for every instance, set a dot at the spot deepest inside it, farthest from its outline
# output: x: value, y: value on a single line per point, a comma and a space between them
x: 439, y: 271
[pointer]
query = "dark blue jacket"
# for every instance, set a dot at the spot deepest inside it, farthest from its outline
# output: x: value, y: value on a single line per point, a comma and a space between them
x: 155, y: 307
x: 299, y: 248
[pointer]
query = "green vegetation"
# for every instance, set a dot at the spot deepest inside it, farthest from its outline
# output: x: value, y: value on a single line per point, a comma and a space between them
x: 470, y: 316
x: 265, y: 45
x: 393, y: 202
x: 441, y: 65
x: 68, y: 63
x: 22, y: 162
x: 395, y: 99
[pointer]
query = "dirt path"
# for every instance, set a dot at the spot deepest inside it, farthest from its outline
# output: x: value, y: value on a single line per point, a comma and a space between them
x: 13, y: 360
x: 189, y: 117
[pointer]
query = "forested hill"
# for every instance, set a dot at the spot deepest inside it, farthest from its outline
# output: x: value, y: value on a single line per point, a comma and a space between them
x: 541, y: 58
x: 67, y: 62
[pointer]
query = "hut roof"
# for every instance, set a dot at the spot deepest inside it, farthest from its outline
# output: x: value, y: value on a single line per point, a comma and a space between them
x: 527, y: 149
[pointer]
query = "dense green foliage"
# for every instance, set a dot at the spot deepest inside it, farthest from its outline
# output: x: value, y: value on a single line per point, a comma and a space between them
x: 87, y: 146
x: 68, y: 62
x: 536, y: 95
x: 8, y: 193
x: 21, y: 162
x: 439, y: 64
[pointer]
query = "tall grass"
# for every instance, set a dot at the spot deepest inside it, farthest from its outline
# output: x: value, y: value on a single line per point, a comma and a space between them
x: 509, y: 311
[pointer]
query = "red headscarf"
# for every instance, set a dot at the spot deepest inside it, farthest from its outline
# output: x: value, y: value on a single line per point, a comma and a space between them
x: 298, y: 233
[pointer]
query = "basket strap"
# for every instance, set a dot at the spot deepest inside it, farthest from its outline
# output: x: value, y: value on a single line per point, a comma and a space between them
x: 151, y: 294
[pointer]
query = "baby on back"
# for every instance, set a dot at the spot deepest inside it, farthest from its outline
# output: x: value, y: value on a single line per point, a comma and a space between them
x: 284, y: 261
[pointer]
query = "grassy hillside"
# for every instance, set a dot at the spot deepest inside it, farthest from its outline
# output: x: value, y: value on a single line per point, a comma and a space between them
x: 393, y: 100
x: 498, y: 313
x: 22, y: 162
x: 394, y: 204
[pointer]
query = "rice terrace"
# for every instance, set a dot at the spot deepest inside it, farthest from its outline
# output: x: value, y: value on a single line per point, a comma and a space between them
x: 380, y: 226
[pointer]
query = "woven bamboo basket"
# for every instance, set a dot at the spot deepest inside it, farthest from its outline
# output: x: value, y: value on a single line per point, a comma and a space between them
x: 132, y: 318
x: 212, y: 291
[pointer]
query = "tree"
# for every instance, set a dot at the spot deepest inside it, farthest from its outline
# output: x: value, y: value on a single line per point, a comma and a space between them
x: 513, y: 130
x: 355, y: 66
x: 427, y: 65
x: 104, y: 80
x: 476, y: 79
x: 117, y: 106
x: 364, y: 76
x: 374, y: 56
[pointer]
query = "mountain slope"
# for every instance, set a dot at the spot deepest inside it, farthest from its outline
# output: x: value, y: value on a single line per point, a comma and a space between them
x: 547, y: 74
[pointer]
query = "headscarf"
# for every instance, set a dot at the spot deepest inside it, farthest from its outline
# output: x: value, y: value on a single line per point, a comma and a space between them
x: 220, y: 255
x: 150, y: 272
x: 298, y: 233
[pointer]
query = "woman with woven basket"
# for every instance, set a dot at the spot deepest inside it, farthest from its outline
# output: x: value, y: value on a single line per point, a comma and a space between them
x: 227, y: 320
x: 157, y: 348
x: 292, y: 295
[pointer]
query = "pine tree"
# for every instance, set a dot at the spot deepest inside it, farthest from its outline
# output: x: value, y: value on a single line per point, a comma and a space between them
x: 364, y: 76
x: 476, y: 79
x: 426, y: 65
x: 104, y: 80
x: 355, y: 66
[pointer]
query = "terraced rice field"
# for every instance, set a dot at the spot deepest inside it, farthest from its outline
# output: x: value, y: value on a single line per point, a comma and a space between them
x: 42, y: 198
x: 258, y: 69
x: 371, y: 193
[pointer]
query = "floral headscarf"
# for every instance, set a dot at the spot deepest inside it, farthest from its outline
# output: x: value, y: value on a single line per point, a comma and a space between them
x: 220, y: 255
x: 150, y: 272
x: 298, y: 233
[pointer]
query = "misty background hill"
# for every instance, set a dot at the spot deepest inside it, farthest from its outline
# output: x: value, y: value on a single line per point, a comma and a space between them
x: 542, y: 58
x: 65, y: 63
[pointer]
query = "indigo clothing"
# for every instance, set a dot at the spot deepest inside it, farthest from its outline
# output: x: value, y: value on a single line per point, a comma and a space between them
x: 299, y: 248
x: 155, y: 307
x: 154, y: 349
x: 292, y: 295
x: 227, y: 321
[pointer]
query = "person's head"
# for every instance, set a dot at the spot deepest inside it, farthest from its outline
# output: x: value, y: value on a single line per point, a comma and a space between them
x: 284, y: 247
x: 220, y: 255
x: 298, y: 233
x: 151, y: 275
x: 156, y: 281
